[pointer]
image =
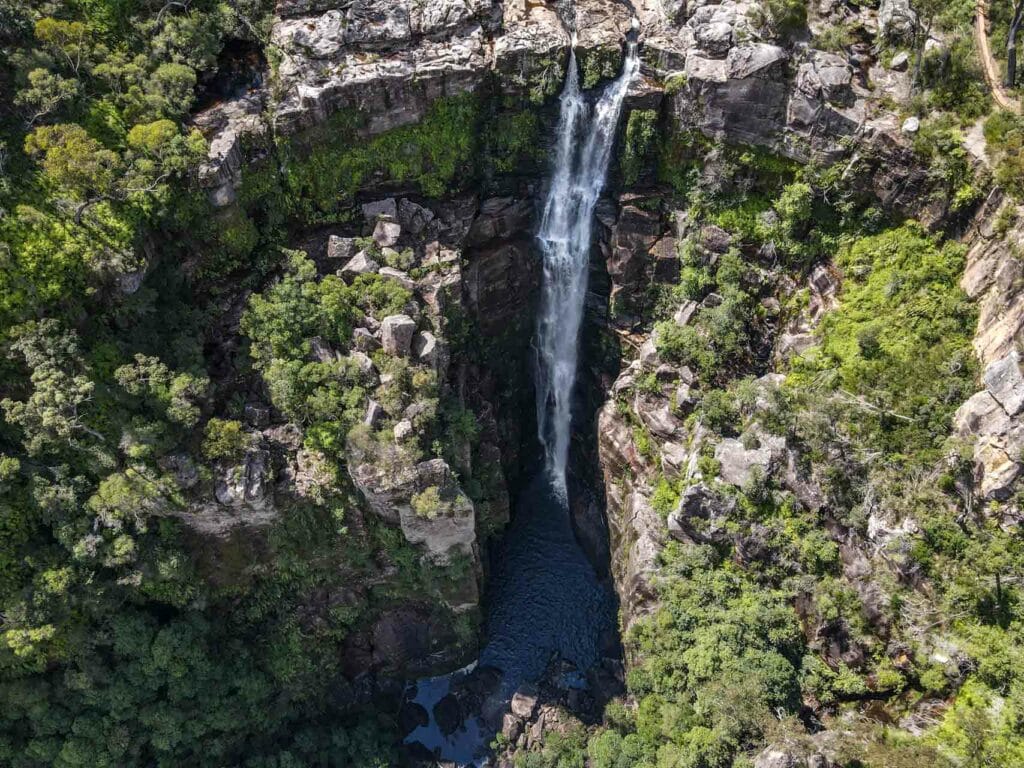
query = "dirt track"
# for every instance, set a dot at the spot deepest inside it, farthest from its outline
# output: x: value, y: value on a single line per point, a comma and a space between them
x: 987, y: 62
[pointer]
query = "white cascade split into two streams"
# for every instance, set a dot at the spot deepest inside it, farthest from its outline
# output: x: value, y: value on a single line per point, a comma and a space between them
x: 583, y: 151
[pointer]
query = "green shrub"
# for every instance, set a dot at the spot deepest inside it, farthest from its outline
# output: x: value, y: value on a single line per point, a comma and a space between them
x: 641, y: 130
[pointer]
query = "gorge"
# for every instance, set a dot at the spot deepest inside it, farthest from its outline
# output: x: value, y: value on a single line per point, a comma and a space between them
x: 545, y: 604
x: 523, y: 383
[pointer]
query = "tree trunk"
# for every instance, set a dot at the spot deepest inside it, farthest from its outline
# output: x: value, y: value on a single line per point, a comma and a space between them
x: 1011, y: 46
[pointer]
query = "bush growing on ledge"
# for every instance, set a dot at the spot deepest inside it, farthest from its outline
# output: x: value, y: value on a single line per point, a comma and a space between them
x: 641, y: 129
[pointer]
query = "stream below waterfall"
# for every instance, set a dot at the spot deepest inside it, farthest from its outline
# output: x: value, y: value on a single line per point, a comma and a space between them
x: 545, y: 603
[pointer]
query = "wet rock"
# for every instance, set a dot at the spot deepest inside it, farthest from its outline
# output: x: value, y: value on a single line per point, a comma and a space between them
x: 396, y: 334
x: 524, y: 702
x: 499, y: 284
x: 412, y: 716
x: 448, y: 714
x: 499, y: 218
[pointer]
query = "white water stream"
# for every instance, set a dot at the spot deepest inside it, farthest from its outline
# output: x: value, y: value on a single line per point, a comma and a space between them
x: 584, y: 146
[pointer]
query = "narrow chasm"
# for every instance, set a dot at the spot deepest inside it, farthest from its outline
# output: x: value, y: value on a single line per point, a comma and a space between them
x: 550, y: 634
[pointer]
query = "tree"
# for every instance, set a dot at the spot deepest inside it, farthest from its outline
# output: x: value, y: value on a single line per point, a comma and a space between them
x: 74, y: 162
x: 52, y: 416
x: 178, y: 396
x: 45, y: 94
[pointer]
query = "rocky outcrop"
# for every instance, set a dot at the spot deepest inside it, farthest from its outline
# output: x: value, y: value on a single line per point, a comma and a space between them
x: 990, y: 422
x: 636, y: 532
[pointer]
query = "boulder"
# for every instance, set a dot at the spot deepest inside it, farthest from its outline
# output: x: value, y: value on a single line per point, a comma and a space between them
x: 739, y: 464
x: 365, y: 364
x: 400, y: 277
x: 374, y: 414
x: 360, y: 264
x: 413, y: 217
x: 364, y: 341
x: 387, y: 233
x: 341, y: 248
x: 896, y: 19
x: 424, y: 347
x: 700, y: 516
x: 684, y: 314
x: 386, y: 208
x: 656, y: 415
x: 403, y: 429
x: 900, y: 61
x: 246, y: 484
x: 396, y: 334
x: 511, y: 727
x: 448, y: 714
x: 256, y: 415
x: 524, y: 702
x: 826, y: 75
x: 452, y: 531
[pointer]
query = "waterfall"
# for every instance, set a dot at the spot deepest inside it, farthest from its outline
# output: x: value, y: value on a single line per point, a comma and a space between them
x: 583, y: 150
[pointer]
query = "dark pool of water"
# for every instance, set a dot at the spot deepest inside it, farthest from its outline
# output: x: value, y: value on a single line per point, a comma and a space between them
x: 544, y: 600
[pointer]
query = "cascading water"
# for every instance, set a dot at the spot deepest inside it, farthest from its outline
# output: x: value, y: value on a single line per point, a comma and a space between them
x: 545, y: 601
x: 583, y: 149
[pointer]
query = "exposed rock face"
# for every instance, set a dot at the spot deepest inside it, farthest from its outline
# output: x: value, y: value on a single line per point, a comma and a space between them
x: 991, y: 277
x: 989, y: 421
x: 448, y: 531
x: 636, y: 532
